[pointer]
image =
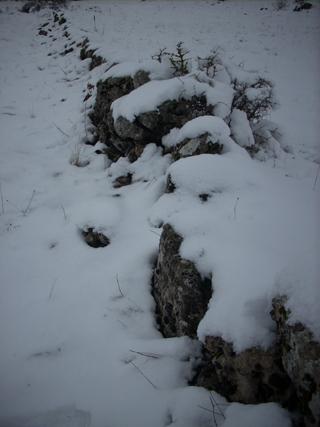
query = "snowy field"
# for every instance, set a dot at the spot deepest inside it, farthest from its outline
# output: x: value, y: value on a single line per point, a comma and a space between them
x: 79, y: 344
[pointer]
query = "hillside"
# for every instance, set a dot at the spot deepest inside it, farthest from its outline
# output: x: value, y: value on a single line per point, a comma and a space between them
x: 149, y: 225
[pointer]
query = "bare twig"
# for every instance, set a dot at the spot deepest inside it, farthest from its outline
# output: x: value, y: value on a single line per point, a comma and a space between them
x: 144, y: 376
x: 316, y: 178
x: 64, y: 213
x: 151, y: 355
x: 216, y: 404
x: 121, y: 293
x: 52, y: 289
x: 27, y: 209
x: 235, y: 208
x: 64, y: 72
x: 23, y: 211
x: 2, y: 200
x: 208, y: 410
x: 154, y: 232
x: 64, y: 133
x: 213, y: 411
x: 85, y: 119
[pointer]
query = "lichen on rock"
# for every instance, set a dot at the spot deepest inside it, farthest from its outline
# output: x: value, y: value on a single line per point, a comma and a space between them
x: 181, y: 294
x: 252, y: 376
x: 300, y: 354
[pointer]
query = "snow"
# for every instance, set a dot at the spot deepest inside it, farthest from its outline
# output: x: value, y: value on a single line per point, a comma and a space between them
x: 243, y: 236
x: 299, y: 282
x: 240, y: 128
x: 155, y: 70
x: 215, y: 126
x: 250, y: 416
x: 77, y: 327
x: 154, y: 93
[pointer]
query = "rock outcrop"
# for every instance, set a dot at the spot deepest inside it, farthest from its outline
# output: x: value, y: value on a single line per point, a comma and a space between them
x: 181, y: 294
x: 86, y: 52
x: 109, y: 90
x: 300, y: 355
x: 153, y: 125
x: 252, y: 376
x: 288, y: 372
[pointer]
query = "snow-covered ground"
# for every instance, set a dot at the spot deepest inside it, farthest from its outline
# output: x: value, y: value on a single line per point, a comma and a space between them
x: 79, y: 343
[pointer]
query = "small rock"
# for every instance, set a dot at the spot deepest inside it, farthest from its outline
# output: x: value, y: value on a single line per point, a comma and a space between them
x: 122, y: 181
x: 95, y: 239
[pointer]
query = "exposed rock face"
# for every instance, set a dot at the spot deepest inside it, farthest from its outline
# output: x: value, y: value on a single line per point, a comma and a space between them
x: 86, y: 53
x: 195, y: 146
x: 252, y: 376
x: 153, y: 125
x: 180, y: 293
x: 301, y: 359
x: 108, y: 91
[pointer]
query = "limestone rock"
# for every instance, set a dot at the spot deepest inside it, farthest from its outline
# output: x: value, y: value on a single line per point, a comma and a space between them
x: 195, y: 146
x: 94, y: 238
x: 301, y: 359
x: 86, y: 53
x: 108, y: 91
x: 122, y: 180
x: 252, y: 376
x: 181, y: 294
x: 153, y: 125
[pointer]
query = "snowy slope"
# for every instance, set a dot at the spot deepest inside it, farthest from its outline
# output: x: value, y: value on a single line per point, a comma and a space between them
x: 77, y: 326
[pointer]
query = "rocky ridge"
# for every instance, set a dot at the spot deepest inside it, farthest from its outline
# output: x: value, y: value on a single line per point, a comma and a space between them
x: 287, y: 372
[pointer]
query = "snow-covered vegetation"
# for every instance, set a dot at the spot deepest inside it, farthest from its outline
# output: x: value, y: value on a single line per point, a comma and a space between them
x: 79, y: 231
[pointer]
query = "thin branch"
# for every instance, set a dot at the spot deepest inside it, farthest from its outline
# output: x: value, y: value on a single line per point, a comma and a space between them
x: 213, y: 411
x: 144, y: 376
x: 52, y: 289
x: 85, y: 119
x: 2, y: 200
x: 154, y: 232
x: 121, y: 293
x: 64, y: 72
x: 151, y: 355
x: 27, y: 209
x: 316, y: 178
x: 208, y: 410
x: 217, y: 405
x: 235, y: 208
x: 64, y: 213
x: 64, y: 133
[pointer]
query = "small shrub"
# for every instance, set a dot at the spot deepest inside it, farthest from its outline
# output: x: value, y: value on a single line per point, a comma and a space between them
x: 36, y: 5
x: 178, y: 59
x: 255, y: 99
x: 281, y: 4
x: 160, y: 55
x: 210, y: 64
